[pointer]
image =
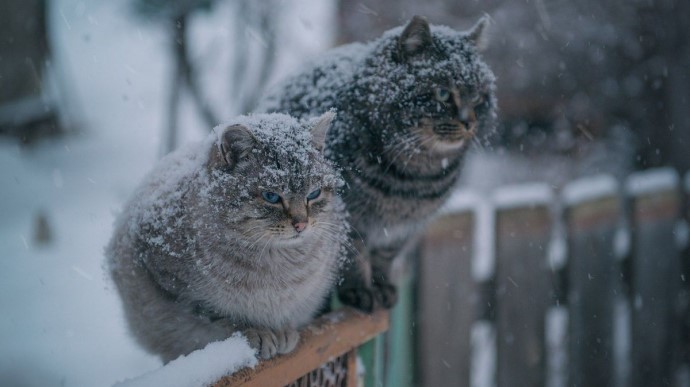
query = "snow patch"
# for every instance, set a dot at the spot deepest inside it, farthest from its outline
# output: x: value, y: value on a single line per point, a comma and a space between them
x: 621, y: 340
x: 522, y: 195
x: 558, y: 251
x: 202, y: 367
x: 622, y: 242
x: 654, y: 180
x: 557, y: 320
x: 483, y: 359
x: 589, y: 188
x: 484, y: 260
x: 461, y: 200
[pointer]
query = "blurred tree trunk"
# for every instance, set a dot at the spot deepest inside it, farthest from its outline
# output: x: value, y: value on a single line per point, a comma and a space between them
x: 246, y: 83
x: 26, y: 109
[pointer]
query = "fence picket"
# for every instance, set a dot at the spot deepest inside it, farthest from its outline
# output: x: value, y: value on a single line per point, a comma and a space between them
x: 523, y: 286
x: 593, y: 277
x: 447, y: 302
x: 656, y: 281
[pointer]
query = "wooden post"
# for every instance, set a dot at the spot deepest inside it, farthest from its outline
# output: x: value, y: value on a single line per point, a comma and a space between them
x: 593, y: 215
x: 656, y: 276
x: 523, y: 283
x: 399, y: 366
x: 685, y: 275
x: 27, y: 108
x: 447, y: 301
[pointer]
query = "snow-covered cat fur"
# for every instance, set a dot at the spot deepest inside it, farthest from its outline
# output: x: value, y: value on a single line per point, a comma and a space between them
x: 200, y: 252
x: 409, y: 104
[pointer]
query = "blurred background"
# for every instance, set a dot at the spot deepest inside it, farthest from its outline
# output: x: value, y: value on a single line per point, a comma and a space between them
x: 561, y: 260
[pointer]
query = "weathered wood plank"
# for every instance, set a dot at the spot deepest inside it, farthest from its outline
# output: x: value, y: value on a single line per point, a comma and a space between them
x: 685, y: 275
x: 327, y: 338
x: 594, y: 285
x: 655, y: 278
x: 447, y: 302
x: 523, y: 286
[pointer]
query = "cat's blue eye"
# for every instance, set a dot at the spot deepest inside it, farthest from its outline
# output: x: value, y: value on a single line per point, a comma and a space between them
x: 442, y: 94
x: 270, y: 197
x: 314, y: 194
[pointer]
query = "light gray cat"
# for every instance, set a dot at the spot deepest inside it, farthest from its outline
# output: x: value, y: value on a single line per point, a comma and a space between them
x: 239, y: 233
x: 409, y: 104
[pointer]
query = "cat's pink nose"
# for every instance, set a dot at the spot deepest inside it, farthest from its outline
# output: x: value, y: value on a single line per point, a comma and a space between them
x: 300, y: 226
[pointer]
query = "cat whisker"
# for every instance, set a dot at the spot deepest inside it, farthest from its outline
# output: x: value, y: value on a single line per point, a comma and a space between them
x: 255, y: 243
x: 261, y: 254
x: 412, y: 154
x: 408, y: 139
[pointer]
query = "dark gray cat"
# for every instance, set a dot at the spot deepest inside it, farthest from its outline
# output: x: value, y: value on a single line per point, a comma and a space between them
x: 408, y: 103
x: 240, y: 233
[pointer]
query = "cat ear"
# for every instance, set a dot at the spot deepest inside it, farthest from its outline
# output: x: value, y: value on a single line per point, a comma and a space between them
x: 235, y: 143
x: 320, y: 129
x: 415, y: 38
x: 479, y: 33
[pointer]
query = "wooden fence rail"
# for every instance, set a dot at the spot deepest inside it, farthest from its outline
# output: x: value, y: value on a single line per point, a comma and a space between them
x: 326, y: 355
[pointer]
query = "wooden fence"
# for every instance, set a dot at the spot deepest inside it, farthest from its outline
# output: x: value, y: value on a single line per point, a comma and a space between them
x: 583, y: 287
x: 587, y: 286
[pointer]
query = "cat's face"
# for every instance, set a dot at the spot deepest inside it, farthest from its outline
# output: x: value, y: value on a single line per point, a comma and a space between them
x: 281, y: 186
x: 439, y: 94
x: 288, y: 217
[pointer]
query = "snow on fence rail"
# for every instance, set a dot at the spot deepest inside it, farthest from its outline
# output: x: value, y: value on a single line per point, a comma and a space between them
x: 326, y: 356
x: 607, y: 316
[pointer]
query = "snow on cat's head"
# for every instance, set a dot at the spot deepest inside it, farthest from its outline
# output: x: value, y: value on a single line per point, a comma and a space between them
x: 270, y: 170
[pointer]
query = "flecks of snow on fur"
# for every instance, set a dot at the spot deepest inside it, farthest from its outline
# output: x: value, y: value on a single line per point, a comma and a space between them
x: 200, y: 368
x: 378, y: 85
x: 653, y: 180
x: 284, y: 135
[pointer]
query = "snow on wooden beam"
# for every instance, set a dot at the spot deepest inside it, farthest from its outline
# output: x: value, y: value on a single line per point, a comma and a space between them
x: 329, y: 337
x: 652, y: 181
x: 523, y: 195
x: 590, y: 188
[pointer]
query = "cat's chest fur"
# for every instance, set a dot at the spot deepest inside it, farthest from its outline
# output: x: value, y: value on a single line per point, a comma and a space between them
x: 278, y: 289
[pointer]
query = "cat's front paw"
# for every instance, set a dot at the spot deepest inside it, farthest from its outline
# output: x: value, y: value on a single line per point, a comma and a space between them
x: 270, y: 342
x: 359, y: 298
x: 385, y: 294
x: 380, y: 295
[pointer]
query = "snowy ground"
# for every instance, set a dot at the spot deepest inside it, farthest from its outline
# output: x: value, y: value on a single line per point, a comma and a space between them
x: 61, y: 321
